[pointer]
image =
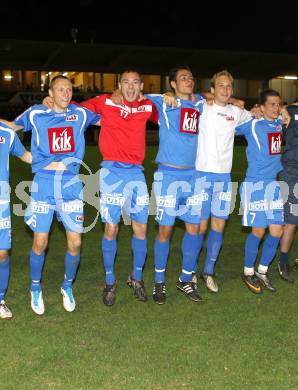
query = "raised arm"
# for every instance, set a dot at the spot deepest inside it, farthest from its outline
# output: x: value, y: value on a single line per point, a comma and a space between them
x: 12, y: 125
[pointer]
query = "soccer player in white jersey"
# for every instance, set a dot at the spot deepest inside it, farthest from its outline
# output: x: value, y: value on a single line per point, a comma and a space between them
x: 213, y: 165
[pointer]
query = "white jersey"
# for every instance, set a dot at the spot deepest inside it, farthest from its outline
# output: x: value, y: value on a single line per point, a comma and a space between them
x: 216, y: 137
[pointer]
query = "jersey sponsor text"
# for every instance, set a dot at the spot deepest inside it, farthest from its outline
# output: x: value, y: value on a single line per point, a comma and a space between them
x: 189, y: 121
x: 61, y: 140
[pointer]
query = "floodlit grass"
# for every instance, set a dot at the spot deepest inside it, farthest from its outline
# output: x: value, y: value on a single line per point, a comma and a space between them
x: 232, y: 340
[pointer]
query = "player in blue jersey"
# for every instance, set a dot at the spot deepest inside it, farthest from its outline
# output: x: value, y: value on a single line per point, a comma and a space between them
x: 57, y: 147
x: 260, y: 192
x: 175, y: 179
x: 9, y: 144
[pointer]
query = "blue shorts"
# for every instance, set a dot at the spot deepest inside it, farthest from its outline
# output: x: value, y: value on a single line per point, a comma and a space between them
x: 51, y: 192
x: 215, y: 190
x: 5, y: 226
x: 262, y: 203
x: 174, y: 193
x: 123, y: 191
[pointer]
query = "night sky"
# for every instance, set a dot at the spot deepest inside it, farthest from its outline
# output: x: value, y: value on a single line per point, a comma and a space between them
x: 255, y: 26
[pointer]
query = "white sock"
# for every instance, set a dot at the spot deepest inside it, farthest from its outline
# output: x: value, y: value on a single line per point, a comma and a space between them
x: 262, y: 269
x: 249, y: 271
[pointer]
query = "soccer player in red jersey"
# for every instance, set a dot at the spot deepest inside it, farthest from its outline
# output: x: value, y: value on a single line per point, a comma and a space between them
x: 122, y: 143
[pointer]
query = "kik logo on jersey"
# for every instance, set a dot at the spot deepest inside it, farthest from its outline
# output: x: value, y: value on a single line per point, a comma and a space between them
x: 189, y: 121
x: 2, y: 140
x: 61, y: 140
x: 72, y: 117
x: 274, y: 143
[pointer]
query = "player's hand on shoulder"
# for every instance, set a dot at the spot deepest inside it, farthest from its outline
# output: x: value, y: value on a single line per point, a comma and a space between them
x: 141, y: 97
x: 117, y: 97
x: 169, y: 99
x: 209, y: 96
x: 256, y: 111
x: 286, y: 118
x: 237, y: 102
x: 48, y: 102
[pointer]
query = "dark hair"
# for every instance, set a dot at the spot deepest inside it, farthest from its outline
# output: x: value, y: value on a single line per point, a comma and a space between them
x: 173, y: 72
x: 54, y: 79
x: 130, y: 70
x: 266, y: 93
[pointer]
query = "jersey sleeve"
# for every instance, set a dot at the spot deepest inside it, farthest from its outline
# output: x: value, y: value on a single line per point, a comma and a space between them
x: 244, y: 128
x: 200, y: 102
x: 243, y: 116
x: 17, y: 148
x: 94, y: 104
x: 24, y: 120
x: 92, y: 117
x: 157, y: 99
x: 199, y: 96
x: 154, y: 116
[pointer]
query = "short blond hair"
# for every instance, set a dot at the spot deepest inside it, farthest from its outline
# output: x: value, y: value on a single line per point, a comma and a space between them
x: 219, y: 74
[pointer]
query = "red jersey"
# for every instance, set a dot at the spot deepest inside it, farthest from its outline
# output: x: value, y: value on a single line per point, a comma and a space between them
x: 123, y: 128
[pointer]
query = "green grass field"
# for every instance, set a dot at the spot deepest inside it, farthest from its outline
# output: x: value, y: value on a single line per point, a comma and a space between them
x: 232, y: 340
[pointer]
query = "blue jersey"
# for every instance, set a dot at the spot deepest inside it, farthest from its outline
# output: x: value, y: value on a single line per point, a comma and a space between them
x: 263, y: 150
x: 57, y: 136
x: 9, y: 143
x: 178, y: 131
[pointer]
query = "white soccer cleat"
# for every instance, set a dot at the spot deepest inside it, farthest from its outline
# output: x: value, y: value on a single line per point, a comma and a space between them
x: 69, y: 302
x: 37, y: 304
x: 211, y: 282
x: 5, y: 313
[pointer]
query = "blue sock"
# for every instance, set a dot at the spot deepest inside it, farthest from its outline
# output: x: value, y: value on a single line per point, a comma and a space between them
x: 251, y: 250
x: 269, y: 250
x: 4, y: 277
x: 71, y: 266
x: 139, y: 249
x: 190, y: 250
x: 213, y: 247
x: 161, y: 253
x: 36, y: 266
x: 109, y: 249
x: 284, y: 258
x: 199, y: 247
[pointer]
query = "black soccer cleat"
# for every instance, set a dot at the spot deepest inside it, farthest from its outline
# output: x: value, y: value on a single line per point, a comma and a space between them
x: 109, y: 294
x: 265, y: 281
x: 138, y: 288
x: 285, y: 272
x: 189, y: 290
x: 253, y: 283
x: 194, y: 280
x: 159, y: 293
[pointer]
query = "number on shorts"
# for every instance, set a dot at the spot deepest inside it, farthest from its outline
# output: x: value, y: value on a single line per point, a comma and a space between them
x: 104, y: 211
x: 159, y: 214
x: 253, y: 216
